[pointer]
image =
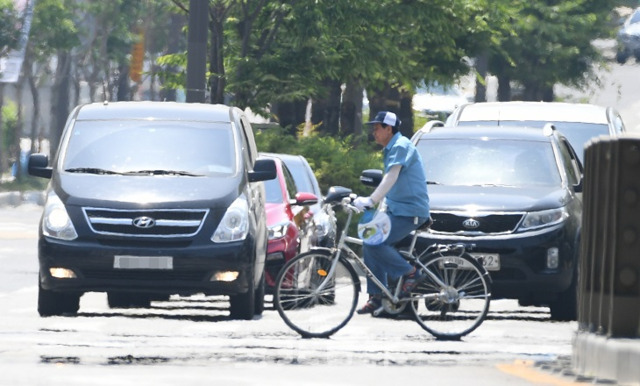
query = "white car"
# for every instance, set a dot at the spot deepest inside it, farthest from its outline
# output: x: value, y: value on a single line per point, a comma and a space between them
x: 439, y: 101
x: 579, y: 122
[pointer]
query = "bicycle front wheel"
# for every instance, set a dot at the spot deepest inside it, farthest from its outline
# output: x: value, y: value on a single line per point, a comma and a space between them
x: 311, y: 299
x: 458, y: 301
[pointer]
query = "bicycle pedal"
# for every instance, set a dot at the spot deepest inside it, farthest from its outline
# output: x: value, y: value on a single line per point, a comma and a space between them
x: 378, y: 311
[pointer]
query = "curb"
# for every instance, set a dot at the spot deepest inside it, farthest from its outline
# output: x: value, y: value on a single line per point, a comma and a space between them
x: 18, y: 198
x: 606, y: 359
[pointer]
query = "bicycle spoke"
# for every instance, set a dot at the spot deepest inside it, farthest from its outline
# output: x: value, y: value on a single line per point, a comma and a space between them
x: 459, y: 307
x: 310, y: 301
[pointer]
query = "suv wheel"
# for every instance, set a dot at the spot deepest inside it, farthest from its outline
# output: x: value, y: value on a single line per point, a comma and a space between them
x: 52, y: 303
x: 565, y: 307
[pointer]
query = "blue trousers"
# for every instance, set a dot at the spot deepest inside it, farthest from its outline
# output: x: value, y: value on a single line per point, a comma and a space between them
x: 384, y: 260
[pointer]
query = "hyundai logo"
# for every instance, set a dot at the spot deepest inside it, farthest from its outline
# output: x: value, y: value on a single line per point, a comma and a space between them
x: 144, y: 222
x: 471, y: 223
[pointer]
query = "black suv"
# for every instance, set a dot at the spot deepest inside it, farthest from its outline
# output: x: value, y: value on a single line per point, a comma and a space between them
x: 513, y: 196
x: 149, y: 199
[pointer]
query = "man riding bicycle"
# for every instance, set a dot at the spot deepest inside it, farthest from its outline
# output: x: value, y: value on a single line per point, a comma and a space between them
x: 404, y: 186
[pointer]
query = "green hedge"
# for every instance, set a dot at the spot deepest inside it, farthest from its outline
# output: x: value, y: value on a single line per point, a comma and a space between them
x: 335, y: 161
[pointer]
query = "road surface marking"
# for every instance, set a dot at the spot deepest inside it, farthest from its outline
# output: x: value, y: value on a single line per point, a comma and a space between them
x: 524, y: 369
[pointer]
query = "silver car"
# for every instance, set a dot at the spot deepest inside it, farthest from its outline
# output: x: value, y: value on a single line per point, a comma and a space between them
x: 629, y: 38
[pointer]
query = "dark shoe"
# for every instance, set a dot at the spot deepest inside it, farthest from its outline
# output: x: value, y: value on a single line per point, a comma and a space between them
x: 371, y: 305
x: 410, y: 282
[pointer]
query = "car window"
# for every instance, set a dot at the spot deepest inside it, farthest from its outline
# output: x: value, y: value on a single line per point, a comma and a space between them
x: 274, y: 193
x: 289, y: 181
x: 130, y: 146
x: 573, y: 174
x: 489, y: 162
x: 249, y: 139
x: 301, y: 177
x: 635, y: 17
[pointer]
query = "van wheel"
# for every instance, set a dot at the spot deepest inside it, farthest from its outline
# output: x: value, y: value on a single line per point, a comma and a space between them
x: 259, y: 297
x: 128, y: 300
x: 52, y: 303
x: 243, y: 306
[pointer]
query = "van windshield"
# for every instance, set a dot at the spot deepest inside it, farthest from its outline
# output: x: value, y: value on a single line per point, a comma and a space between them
x: 150, y: 147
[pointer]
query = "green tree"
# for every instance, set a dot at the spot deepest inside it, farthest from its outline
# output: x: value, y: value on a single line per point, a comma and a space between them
x: 551, y: 44
x: 9, y: 35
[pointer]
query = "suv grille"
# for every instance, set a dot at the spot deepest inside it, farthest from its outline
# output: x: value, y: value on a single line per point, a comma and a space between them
x: 493, y: 223
x: 145, y: 223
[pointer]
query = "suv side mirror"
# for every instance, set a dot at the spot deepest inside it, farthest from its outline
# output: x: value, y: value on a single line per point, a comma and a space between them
x: 38, y: 165
x: 263, y: 169
x: 579, y: 186
x: 371, y: 177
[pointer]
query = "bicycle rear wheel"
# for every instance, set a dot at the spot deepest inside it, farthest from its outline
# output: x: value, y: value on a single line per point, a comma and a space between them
x: 454, y: 310
x: 309, y: 301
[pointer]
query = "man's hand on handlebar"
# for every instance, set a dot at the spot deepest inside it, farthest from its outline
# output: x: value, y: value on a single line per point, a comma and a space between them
x: 363, y: 203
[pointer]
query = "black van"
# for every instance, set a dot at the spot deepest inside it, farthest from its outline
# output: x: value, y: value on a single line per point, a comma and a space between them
x: 150, y: 199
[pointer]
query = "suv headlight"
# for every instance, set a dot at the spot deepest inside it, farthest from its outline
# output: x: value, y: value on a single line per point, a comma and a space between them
x: 544, y: 218
x: 55, y: 221
x: 235, y: 222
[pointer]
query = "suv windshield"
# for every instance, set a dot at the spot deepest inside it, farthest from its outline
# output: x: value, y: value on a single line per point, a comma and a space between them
x: 489, y: 162
x: 150, y: 147
x: 578, y: 133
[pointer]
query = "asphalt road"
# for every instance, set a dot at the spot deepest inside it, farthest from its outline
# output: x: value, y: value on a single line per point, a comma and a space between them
x: 192, y: 341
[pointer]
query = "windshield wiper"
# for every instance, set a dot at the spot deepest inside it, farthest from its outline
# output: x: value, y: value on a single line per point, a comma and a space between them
x: 161, y: 172
x: 495, y: 185
x: 91, y: 171
x: 433, y: 183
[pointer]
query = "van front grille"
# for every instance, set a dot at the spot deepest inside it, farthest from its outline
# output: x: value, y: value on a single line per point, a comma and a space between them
x: 146, y: 223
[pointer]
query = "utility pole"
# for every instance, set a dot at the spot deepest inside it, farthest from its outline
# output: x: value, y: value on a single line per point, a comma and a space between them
x: 197, y: 50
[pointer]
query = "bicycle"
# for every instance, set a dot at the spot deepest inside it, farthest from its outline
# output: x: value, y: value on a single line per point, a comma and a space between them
x: 316, y: 292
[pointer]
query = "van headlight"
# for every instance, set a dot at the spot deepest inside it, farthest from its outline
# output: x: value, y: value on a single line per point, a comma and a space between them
x: 55, y: 221
x: 235, y: 222
x: 543, y: 218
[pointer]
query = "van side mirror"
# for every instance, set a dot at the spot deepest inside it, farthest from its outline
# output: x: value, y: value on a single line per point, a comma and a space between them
x: 263, y: 169
x: 38, y: 165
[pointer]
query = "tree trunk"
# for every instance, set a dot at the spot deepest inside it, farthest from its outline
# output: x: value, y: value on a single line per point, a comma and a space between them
x: 405, y: 113
x: 351, y: 109
x: 15, y: 147
x: 3, y: 156
x: 35, y: 95
x: 290, y: 115
x: 504, y: 88
x: 216, y: 62
x: 124, y: 90
x: 326, y: 111
x: 482, y: 65
x: 60, y: 100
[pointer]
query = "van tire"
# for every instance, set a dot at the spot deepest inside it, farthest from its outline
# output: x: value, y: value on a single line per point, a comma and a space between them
x: 51, y: 303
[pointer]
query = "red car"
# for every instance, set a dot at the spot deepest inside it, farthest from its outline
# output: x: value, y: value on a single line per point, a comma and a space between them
x: 287, y: 221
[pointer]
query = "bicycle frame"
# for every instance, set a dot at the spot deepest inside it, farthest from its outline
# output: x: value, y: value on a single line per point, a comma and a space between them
x: 342, y: 246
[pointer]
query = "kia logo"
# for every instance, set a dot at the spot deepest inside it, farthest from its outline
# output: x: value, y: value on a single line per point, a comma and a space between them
x: 144, y: 222
x: 471, y: 223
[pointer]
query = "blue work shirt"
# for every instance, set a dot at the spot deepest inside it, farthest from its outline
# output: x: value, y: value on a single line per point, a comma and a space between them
x: 408, y: 196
